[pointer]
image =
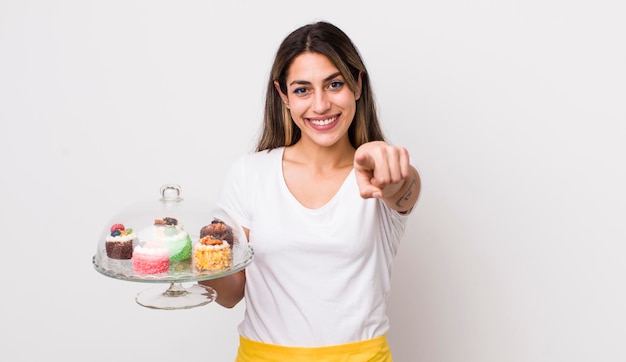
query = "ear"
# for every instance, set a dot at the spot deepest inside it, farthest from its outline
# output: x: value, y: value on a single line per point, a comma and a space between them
x: 357, y: 93
x: 283, y: 96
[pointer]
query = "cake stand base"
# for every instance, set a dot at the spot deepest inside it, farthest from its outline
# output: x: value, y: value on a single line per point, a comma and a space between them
x: 176, y: 297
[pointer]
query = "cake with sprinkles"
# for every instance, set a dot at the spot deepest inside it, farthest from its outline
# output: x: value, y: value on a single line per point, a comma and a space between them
x: 213, y: 252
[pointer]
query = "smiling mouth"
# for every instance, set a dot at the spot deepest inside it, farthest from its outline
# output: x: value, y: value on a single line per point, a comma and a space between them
x: 323, y: 122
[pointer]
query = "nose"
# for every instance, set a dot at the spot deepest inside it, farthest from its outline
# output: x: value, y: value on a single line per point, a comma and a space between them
x: 321, y: 102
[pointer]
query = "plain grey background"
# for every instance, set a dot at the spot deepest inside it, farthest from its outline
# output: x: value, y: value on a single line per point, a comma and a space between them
x: 513, y: 111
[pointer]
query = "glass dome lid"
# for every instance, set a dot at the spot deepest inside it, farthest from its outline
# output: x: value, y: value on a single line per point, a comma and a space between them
x: 172, y: 240
x: 132, y: 241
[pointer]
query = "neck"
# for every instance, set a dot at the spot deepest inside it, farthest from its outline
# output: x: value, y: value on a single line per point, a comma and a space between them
x: 339, y: 155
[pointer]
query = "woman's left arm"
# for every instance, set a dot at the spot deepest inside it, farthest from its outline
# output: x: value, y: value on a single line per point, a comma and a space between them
x: 383, y: 171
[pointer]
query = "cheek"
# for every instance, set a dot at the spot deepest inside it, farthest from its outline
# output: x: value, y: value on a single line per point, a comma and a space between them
x: 297, y: 106
x: 347, y: 99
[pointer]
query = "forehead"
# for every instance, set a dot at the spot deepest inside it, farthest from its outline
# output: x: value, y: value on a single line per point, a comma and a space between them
x: 310, y: 67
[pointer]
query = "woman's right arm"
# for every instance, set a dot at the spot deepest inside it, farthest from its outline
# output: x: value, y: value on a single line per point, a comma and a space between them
x: 230, y: 289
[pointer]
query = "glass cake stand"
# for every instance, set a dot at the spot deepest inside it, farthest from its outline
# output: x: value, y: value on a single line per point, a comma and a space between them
x: 192, y: 216
x: 176, y: 296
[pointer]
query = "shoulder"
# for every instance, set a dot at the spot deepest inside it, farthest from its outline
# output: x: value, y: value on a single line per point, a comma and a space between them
x: 260, y: 158
x: 255, y: 163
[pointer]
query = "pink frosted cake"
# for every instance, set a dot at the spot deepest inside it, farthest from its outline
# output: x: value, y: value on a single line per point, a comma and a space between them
x: 151, y: 258
x: 119, y: 243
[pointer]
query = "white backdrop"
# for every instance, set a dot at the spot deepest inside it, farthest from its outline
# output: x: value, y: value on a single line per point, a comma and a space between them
x: 512, y: 110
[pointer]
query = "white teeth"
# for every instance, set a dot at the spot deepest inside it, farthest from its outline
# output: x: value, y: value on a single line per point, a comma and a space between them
x: 323, y: 122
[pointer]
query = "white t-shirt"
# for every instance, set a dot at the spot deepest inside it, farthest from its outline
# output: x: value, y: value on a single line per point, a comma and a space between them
x: 319, y: 276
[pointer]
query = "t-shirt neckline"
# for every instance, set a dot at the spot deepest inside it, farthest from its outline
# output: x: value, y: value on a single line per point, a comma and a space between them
x: 293, y: 199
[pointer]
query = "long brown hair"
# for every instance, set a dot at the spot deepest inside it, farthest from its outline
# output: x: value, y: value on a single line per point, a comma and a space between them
x: 330, y: 41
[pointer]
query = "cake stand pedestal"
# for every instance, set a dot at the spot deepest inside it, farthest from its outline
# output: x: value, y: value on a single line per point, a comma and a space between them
x: 176, y: 296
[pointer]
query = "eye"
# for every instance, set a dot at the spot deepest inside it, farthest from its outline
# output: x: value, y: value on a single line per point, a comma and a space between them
x: 300, y: 91
x: 336, y: 85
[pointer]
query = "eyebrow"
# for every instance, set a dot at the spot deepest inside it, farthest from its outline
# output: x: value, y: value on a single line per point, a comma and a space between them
x: 334, y: 75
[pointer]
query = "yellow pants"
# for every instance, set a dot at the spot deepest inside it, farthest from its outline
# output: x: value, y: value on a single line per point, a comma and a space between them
x: 372, y: 350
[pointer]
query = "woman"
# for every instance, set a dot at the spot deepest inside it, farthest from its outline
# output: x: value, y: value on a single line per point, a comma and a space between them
x: 324, y: 202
